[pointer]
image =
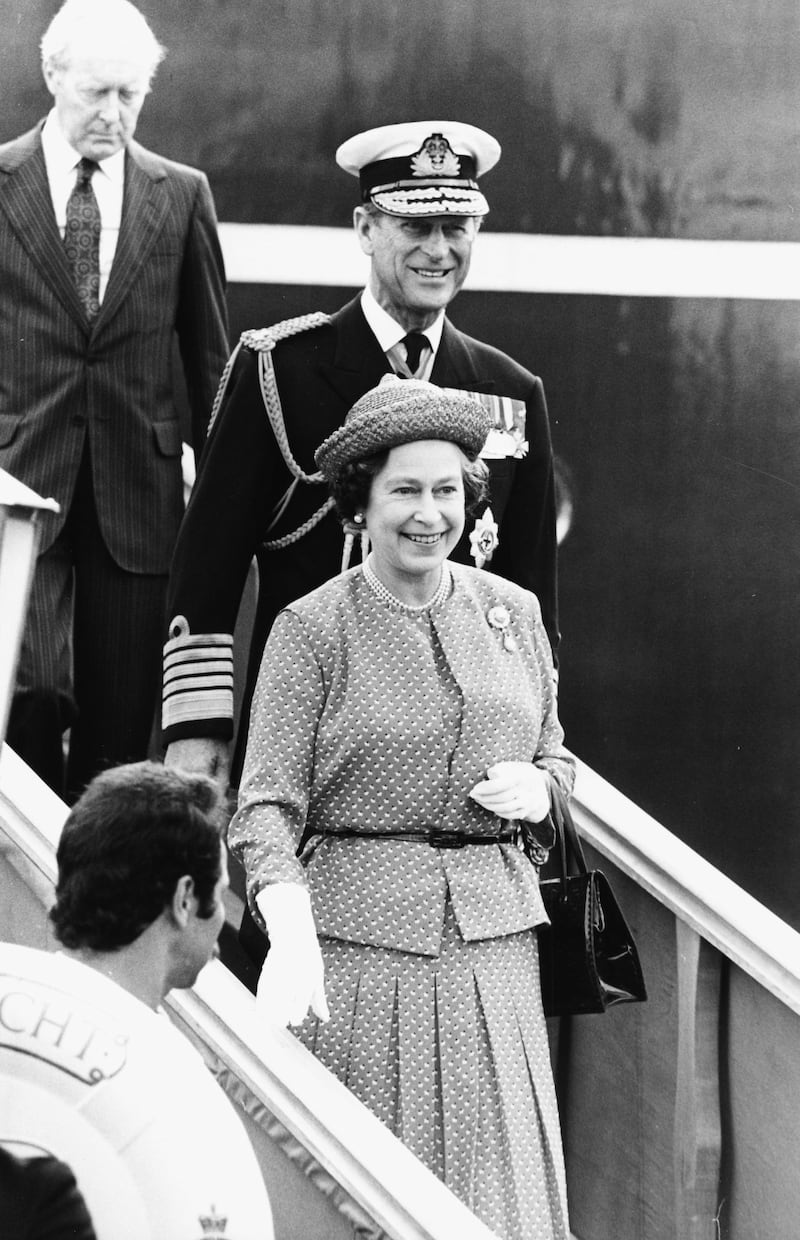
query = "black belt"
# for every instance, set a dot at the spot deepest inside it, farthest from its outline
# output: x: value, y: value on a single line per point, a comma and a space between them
x: 436, y: 839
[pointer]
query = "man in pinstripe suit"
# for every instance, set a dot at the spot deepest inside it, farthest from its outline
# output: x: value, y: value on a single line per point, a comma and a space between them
x: 87, y: 412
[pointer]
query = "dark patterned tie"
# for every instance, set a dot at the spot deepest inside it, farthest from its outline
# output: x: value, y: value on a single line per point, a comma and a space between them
x: 415, y: 342
x: 82, y: 238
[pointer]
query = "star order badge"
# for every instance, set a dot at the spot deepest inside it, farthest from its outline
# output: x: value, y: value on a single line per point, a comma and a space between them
x: 483, y: 541
x: 435, y: 158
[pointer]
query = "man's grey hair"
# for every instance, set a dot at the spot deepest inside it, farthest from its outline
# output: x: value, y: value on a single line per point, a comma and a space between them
x: 114, y: 26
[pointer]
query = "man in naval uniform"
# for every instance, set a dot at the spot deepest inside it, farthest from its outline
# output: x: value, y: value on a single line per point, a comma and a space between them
x: 288, y: 387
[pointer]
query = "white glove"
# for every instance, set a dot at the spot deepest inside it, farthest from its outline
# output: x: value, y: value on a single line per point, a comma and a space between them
x: 293, y: 977
x: 515, y: 790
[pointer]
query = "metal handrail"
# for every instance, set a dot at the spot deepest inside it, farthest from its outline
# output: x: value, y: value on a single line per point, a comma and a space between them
x: 699, y: 894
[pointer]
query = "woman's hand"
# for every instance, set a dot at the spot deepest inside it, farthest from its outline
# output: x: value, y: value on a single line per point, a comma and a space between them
x: 516, y: 790
x: 292, y: 977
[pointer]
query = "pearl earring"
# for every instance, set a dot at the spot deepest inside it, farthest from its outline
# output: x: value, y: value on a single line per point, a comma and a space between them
x: 358, y: 519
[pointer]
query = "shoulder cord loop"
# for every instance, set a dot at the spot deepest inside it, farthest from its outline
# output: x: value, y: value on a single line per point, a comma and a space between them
x: 272, y: 403
x: 263, y: 341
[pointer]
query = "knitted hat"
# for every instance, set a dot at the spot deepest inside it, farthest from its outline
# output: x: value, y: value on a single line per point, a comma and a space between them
x: 403, y: 411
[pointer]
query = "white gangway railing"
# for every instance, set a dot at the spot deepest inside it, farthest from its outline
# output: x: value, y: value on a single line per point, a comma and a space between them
x: 682, y: 1115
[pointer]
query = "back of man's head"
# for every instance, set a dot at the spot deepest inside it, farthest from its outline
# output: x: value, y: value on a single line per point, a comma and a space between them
x: 131, y: 836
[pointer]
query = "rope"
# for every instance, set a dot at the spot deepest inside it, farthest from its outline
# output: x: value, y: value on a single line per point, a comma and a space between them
x: 272, y: 404
x: 277, y: 544
x: 221, y: 389
x: 262, y: 340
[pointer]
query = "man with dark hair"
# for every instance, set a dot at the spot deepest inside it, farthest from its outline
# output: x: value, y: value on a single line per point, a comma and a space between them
x: 142, y: 872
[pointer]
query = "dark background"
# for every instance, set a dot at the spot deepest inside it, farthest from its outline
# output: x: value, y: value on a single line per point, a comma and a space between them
x: 676, y: 419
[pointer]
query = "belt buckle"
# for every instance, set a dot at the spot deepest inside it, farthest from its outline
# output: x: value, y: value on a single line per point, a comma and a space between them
x: 446, y: 839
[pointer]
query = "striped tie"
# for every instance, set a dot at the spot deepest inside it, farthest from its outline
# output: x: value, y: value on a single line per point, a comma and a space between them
x: 82, y: 238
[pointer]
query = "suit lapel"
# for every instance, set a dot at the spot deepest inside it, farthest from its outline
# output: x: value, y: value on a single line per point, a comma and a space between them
x: 144, y: 208
x: 455, y: 364
x: 25, y: 197
x: 359, y: 361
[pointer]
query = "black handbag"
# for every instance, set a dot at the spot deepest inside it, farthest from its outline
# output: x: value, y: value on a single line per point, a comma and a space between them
x: 587, y: 955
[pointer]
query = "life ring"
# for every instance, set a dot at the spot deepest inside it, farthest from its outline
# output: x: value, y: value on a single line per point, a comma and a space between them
x: 91, y: 1075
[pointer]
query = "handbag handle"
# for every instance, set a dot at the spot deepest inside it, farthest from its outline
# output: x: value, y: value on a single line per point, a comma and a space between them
x: 566, y: 834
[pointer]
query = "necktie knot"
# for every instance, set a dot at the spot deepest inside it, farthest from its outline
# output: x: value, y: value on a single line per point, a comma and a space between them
x: 86, y: 170
x: 414, y: 342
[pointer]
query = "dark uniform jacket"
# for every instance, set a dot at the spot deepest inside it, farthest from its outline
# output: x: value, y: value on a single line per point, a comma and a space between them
x: 320, y: 374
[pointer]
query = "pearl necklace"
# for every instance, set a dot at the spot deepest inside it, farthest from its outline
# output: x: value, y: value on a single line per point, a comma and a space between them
x: 413, y: 609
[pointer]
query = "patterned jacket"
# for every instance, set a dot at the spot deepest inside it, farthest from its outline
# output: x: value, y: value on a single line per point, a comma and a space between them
x: 368, y: 718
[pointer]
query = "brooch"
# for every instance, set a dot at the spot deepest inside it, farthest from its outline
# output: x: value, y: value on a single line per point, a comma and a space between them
x: 499, y: 618
x: 483, y: 540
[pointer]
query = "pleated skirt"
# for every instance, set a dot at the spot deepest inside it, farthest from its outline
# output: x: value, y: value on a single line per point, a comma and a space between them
x: 451, y: 1053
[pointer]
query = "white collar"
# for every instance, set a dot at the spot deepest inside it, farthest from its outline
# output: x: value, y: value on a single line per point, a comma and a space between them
x: 387, y: 331
x: 62, y: 159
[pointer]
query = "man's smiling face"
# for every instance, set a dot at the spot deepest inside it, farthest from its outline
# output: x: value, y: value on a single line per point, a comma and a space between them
x: 418, y: 265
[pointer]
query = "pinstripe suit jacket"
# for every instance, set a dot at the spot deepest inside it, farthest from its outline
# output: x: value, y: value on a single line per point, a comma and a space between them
x: 63, y: 379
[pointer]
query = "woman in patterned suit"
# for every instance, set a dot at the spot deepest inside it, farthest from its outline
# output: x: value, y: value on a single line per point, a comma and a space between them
x: 405, y: 728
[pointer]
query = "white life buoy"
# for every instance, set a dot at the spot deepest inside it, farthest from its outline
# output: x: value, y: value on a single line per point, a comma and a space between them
x: 91, y: 1075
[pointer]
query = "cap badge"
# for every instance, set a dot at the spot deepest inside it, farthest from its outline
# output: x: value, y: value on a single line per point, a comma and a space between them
x: 435, y: 158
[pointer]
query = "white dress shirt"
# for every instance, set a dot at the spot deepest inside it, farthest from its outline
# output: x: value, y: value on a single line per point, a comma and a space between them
x: 389, y: 335
x: 61, y: 161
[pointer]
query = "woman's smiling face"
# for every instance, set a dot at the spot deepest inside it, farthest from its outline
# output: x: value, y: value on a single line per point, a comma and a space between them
x: 415, y: 515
